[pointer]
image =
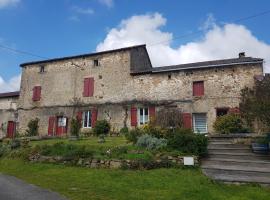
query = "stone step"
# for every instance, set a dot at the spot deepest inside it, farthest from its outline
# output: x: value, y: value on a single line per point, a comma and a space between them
x: 238, y: 166
x: 238, y: 156
x: 238, y: 176
x: 228, y: 150
x: 246, y: 162
x: 220, y: 140
x: 228, y: 145
x: 220, y: 143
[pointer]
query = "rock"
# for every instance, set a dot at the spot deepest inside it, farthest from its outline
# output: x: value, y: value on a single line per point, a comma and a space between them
x: 115, y: 164
x: 80, y: 162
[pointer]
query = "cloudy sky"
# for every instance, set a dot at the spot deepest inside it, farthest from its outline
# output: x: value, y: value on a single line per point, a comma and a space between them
x: 175, y: 31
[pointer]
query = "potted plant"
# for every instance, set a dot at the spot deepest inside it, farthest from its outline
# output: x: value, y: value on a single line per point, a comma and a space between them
x: 261, y: 145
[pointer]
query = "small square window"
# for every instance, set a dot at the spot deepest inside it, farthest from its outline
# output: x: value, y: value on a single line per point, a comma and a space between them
x: 42, y: 69
x: 96, y: 62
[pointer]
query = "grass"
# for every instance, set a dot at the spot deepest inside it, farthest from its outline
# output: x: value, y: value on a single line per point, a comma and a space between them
x: 101, y: 184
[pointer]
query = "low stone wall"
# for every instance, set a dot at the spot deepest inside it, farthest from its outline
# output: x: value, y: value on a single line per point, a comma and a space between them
x: 167, y: 162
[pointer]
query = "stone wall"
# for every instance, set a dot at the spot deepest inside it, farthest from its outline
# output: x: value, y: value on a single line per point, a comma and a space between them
x: 8, y: 112
x: 115, y: 89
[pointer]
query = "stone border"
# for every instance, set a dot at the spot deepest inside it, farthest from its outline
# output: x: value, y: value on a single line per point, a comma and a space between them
x: 164, y: 162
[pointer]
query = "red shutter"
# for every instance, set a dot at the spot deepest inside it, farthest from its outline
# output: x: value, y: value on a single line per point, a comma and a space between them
x: 133, y: 116
x: 36, y: 93
x: 152, y: 112
x: 88, y: 87
x: 51, y: 126
x: 198, y: 88
x: 85, y: 87
x: 79, y: 117
x: 94, y: 114
x: 91, y: 87
x: 11, y: 129
x: 234, y: 110
x: 187, y: 120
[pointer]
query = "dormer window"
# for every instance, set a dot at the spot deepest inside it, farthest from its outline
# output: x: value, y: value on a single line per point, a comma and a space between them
x: 96, y: 62
x: 42, y: 69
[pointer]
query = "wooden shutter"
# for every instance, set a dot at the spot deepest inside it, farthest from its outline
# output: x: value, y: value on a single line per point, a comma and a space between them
x: 198, y: 88
x: 51, y: 126
x: 91, y: 87
x: 152, y: 112
x: 11, y: 129
x: 187, y: 120
x: 88, y: 87
x: 133, y: 116
x: 79, y: 117
x: 94, y: 114
x: 36, y: 93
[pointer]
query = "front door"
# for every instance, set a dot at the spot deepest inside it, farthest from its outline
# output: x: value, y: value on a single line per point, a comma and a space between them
x: 11, y: 129
x: 61, y: 126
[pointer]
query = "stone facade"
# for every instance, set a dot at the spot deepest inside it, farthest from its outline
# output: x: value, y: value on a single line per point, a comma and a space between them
x: 123, y: 79
x: 8, y: 111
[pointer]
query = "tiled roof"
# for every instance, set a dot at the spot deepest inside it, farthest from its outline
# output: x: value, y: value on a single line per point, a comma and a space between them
x: 10, y: 94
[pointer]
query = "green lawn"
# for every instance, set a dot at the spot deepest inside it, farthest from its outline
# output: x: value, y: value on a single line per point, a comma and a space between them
x: 82, y: 183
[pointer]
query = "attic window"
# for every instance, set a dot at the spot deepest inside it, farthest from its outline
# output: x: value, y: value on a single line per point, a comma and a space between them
x: 42, y: 69
x: 96, y: 62
x: 169, y: 76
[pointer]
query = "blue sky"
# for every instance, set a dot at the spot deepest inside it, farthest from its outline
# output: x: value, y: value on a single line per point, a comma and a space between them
x: 51, y: 28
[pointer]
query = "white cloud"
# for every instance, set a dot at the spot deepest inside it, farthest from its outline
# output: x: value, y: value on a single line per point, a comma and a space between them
x: 83, y: 11
x: 12, y: 84
x: 7, y: 3
x: 218, y: 42
x: 108, y: 3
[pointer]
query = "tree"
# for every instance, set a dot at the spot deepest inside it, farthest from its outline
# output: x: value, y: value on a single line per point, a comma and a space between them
x: 255, y: 102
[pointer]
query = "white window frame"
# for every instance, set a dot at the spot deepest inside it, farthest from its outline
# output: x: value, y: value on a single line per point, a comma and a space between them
x: 145, y: 119
x: 206, y: 124
x: 88, y: 124
x: 61, y: 121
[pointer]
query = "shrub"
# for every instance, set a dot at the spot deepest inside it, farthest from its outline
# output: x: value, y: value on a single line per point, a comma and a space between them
x: 187, y: 142
x: 151, y: 143
x: 75, y: 127
x: 124, y: 130
x: 65, y: 150
x: 132, y: 135
x: 15, y: 144
x: 155, y: 131
x: 230, y: 123
x: 102, y: 127
x: 32, y: 129
x: 169, y: 118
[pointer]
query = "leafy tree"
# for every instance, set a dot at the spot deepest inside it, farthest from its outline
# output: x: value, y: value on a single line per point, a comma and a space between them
x: 255, y: 102
x: 32, y: 129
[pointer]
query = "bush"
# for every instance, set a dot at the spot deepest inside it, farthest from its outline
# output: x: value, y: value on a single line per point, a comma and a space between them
x: 230, y: 123
x: 15, y: 144
x: 65, y: 150
x: 132, y: 135
x: 155, y: 131
x: 75, y: 127
x: 187, y: 142
x: 124, y: 130
x: 169, y: 118
x: 102, y: 127
x: 151, y: 143
x: 32, y: 129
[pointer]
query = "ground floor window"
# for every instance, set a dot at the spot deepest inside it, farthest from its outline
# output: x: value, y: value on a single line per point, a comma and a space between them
x: 143, y: 116
x: 87, y: 115
x: 222, y: 111
x: 61, y: 121
x: 200, y: 122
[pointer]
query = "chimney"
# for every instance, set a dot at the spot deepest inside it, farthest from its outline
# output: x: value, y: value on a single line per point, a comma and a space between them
x: 242, y: 55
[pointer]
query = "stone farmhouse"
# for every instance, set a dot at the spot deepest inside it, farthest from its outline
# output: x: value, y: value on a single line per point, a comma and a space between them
x: 122, y: 86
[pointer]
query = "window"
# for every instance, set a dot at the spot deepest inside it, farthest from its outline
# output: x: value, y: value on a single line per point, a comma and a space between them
x: 36, y: 93
x: 61, y: 121
x: 198, y: 88
x: 96, y: 63
x: 87, y: 115
x: 88, y: 90
x: 222, y: 111
x: 143, y: 116
x: 42, y: 69
x: 200, y: 123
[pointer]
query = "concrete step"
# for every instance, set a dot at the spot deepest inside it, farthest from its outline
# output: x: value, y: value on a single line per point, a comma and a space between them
x: 228, y: 150
x: 238, y: 176
x: 228, y: 145
x: 237, y: 166
x: 231, y: 161
x: 238, y: 156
